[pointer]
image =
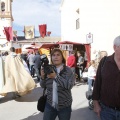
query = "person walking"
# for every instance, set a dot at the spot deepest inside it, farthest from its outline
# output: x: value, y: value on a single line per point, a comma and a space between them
x: 31, y: 63
x: 91, y: 74
x: 58, y: 84
x: 17, y: 78
x: 71, y: 61
x: 80, y: 64
x: 106, y: 91
x: 37, y: 64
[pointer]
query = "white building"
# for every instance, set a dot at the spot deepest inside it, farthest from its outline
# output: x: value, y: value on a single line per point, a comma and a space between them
x: 101, y: 18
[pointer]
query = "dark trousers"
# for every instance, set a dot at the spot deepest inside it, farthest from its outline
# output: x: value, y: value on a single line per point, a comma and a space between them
x: 109, y: 113
x: 32, y: 70
x: 51, y: 113
x: 37, y: 70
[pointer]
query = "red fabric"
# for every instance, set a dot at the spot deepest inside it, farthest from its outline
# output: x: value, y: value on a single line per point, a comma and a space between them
x: 8, y: 33
x: 68, y: 42
x: 71, y: 61
x: 42, y: 30
x: 49, y: 46
x: 88, y: 51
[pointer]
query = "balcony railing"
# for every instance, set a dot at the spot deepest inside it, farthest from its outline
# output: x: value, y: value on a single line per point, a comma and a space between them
x: 5, y: 14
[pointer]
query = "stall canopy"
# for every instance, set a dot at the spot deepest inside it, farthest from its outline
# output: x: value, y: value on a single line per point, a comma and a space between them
x: 49, y: 46
x: 87, y: 47
x: 68, y: 42
x: 36, y: 46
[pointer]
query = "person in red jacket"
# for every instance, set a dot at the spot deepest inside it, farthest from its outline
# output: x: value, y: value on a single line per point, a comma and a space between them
x: 71, y: 61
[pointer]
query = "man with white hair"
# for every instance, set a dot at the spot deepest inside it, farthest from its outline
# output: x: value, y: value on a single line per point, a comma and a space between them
x: 106, y: 92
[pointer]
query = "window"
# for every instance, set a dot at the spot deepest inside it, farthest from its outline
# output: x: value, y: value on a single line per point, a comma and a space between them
x: 2, y: 6
x: 77, y: 24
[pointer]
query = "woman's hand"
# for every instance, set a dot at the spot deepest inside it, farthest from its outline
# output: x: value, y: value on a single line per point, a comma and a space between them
x: 52, y: 75
x: 97, y: 107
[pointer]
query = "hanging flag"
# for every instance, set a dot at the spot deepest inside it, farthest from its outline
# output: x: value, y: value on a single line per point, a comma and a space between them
x: 15, y: 35
x: 8, y: 33
x: 48, y: 33
x: 42, y: 30
x: 29, y: 32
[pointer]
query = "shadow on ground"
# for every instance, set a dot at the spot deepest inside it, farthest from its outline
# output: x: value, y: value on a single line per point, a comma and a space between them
x: 79, y: 114
x: 30, y: 97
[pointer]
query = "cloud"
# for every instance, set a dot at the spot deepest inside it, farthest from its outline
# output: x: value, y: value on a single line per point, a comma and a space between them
x: 36, y: 12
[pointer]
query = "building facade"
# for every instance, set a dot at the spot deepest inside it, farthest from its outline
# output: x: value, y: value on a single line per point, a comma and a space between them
x: 91, y: 21
x: 6, y: 18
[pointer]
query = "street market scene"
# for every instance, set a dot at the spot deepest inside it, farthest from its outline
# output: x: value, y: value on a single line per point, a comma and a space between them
x: 59, y: 60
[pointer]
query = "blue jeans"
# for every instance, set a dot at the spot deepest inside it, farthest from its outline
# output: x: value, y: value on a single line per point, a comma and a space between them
x: 108, y: 113
x: 32, y: 70
x: 51, y: 113
x: 37, y: 70
x: 90, y: 84
x: 80, y: 73
x: 73, y: 70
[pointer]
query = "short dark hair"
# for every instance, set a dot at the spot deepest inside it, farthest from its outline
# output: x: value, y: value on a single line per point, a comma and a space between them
x: 58, y: 50
x: 37, y: 52
x: 6, y: 53
x: 73, y: 52
x: 12, y: 49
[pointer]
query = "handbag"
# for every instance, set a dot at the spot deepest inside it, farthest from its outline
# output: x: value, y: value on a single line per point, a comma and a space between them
x: 42, y: 101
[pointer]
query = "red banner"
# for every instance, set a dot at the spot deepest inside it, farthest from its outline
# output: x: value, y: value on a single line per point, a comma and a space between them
x: 42, y: 30
x: 8, y: 33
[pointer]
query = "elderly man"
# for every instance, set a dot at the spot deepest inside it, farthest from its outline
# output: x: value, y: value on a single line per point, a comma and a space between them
x: 106, y: 92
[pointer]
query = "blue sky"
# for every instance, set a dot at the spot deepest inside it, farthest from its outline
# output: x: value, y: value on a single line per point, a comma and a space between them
x: 36, y: 12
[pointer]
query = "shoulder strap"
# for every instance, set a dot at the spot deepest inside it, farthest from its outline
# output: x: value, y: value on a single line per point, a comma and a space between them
x: 44, y: 91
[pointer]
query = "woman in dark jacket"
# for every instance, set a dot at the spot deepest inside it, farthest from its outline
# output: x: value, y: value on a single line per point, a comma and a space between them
x: 58, y: 85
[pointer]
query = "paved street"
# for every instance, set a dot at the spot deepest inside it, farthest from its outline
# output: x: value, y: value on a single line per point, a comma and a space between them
x: 24, y: 108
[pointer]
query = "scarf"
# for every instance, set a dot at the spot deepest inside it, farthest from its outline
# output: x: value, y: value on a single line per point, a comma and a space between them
x: 55, y: 89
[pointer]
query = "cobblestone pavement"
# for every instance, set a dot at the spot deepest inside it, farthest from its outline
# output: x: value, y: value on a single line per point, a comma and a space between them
x: 24, y: 108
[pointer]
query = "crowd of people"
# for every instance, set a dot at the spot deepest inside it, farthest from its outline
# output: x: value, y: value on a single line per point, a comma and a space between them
x: 77, y: 63
x: 20, y: 70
